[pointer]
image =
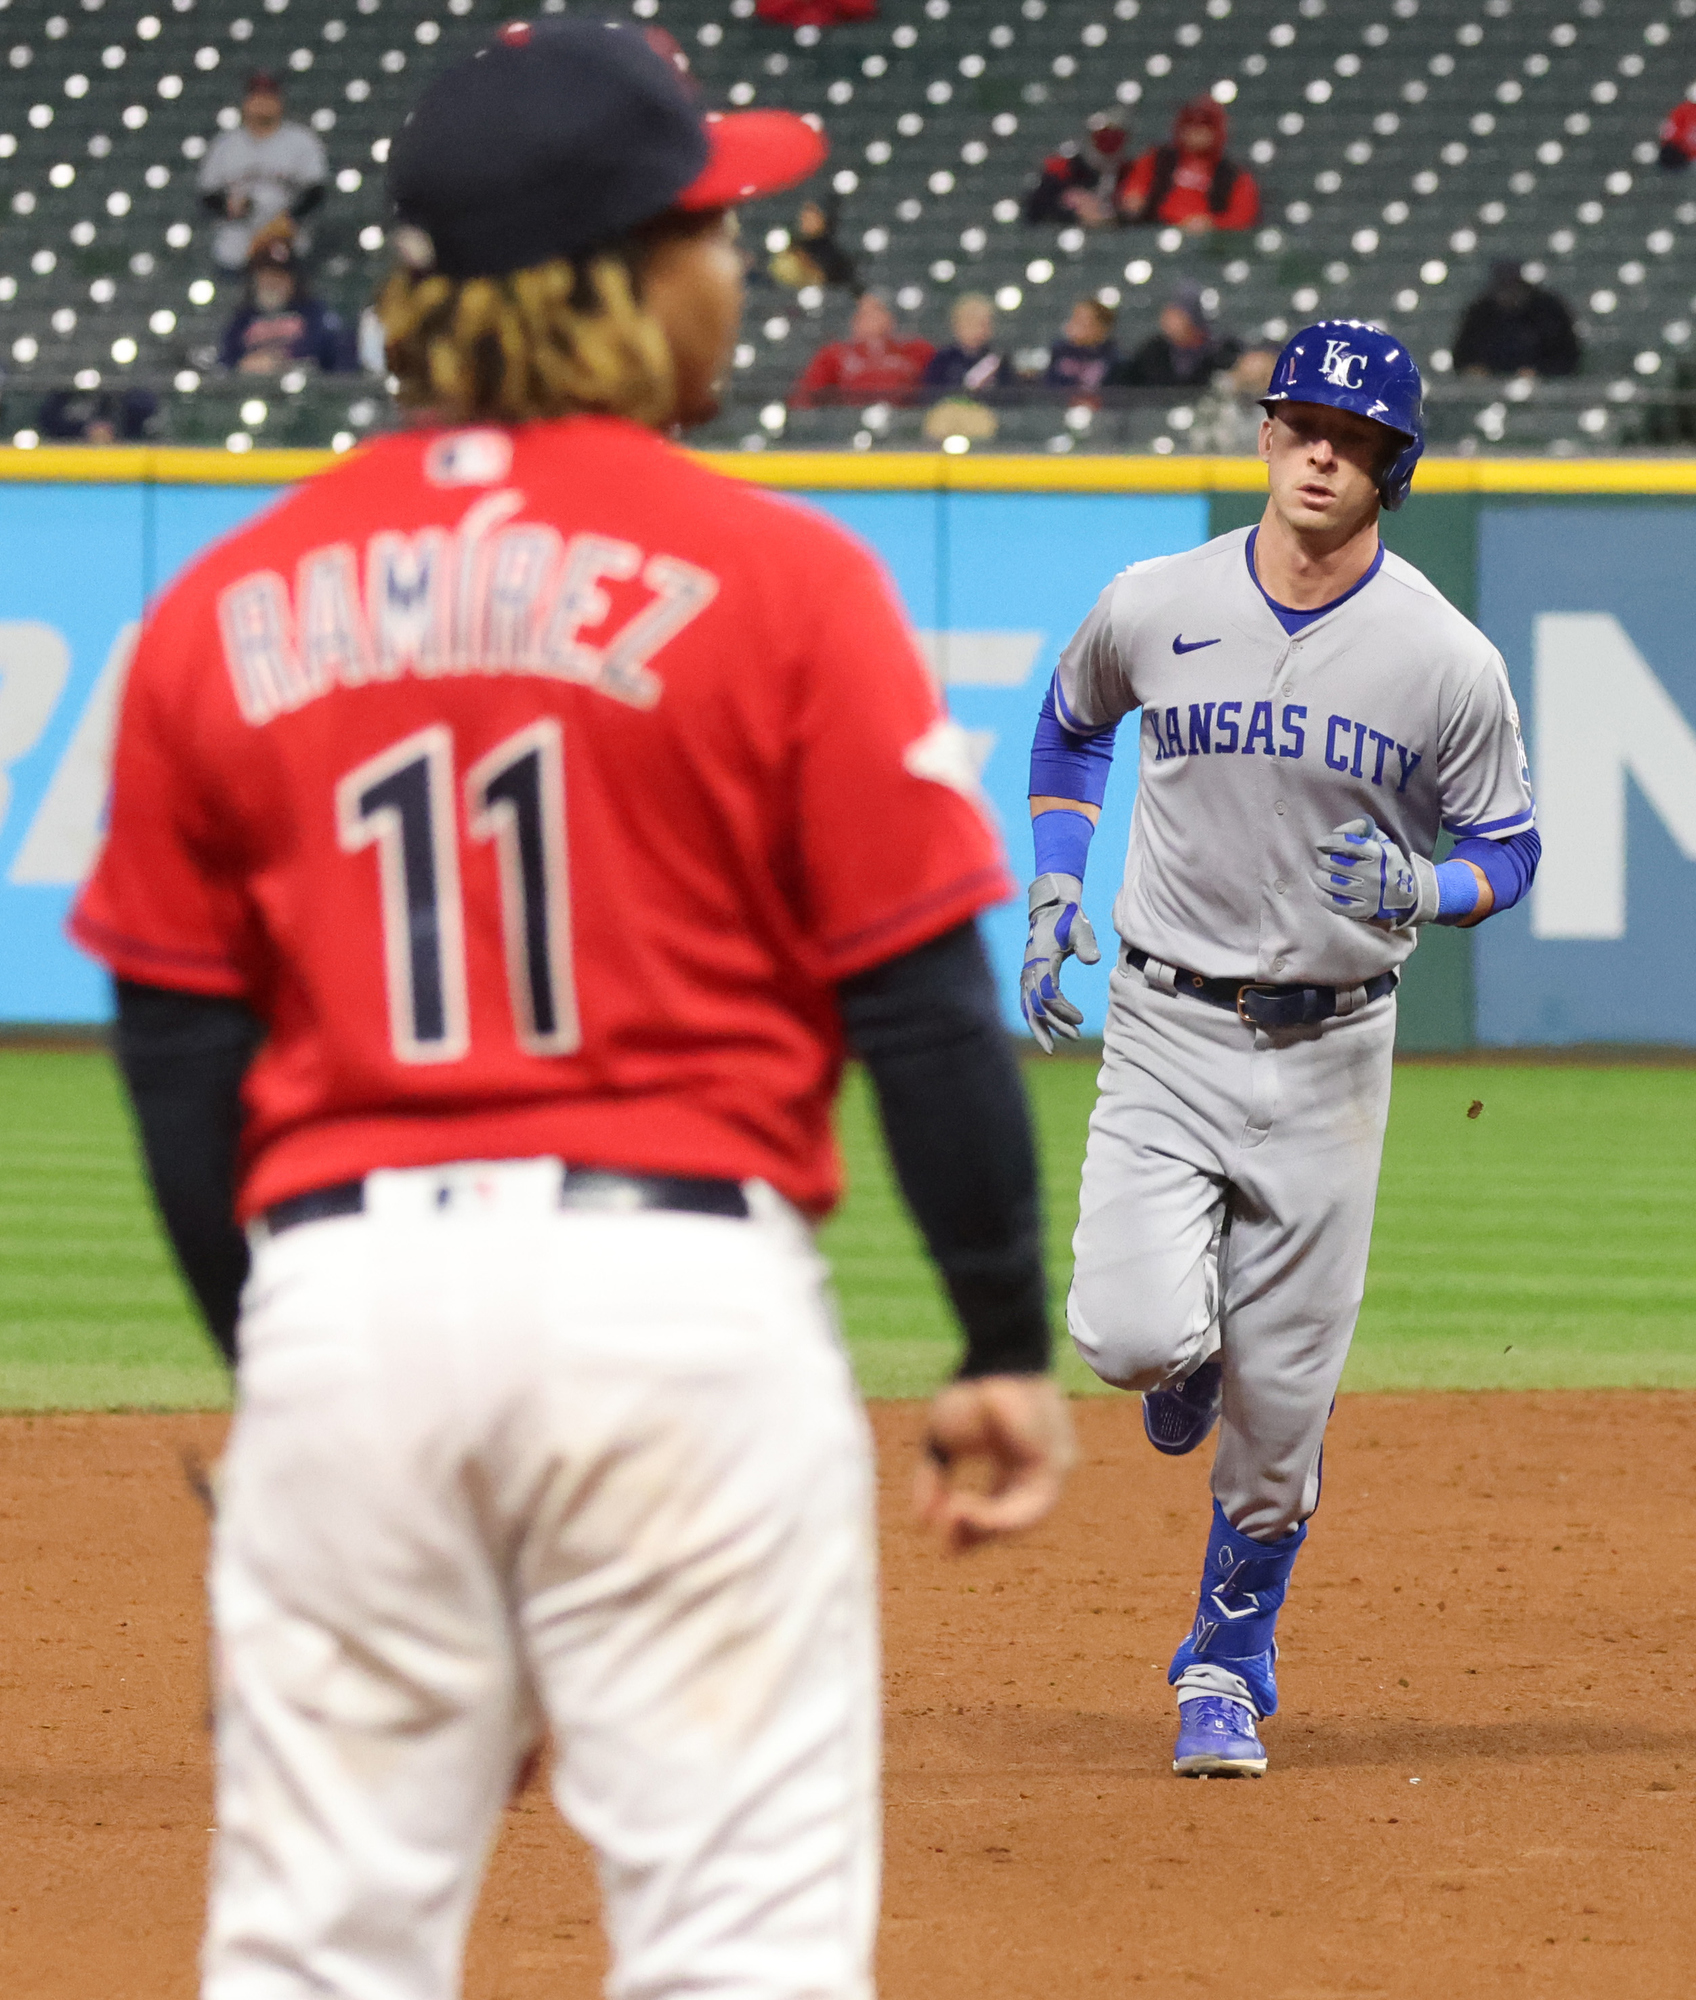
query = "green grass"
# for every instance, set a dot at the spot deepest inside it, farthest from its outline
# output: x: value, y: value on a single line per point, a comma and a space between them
x: 1549, y: 1243
x: 92, y: 1312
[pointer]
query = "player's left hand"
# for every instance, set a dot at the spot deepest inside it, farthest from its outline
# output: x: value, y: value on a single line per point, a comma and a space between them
x: 1021, y: 1427
x: 1363, y: 874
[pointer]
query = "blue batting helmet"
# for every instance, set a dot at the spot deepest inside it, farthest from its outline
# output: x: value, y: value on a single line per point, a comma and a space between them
x: 1353, y: 366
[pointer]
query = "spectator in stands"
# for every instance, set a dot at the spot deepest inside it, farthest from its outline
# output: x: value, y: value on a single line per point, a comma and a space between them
x: 1084, y: 356
x: 876, y: 363
x: 1250, y: 375
x: 1191, y: 182
x: 97, y: 416
x: 280, y: 324
x: 1678, y: 136
x: 1227, y: 417
x: 1185, y: 353
x: 1515, y: 327
x: 1077, y: 183
x: 813, y: 255
x: 262, y: 178
x: 968, y: 362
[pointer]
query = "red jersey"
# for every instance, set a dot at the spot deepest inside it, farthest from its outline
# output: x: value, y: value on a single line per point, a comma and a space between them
x: 535, y: 787
x: 854, y: 370
x: 1190, y: 191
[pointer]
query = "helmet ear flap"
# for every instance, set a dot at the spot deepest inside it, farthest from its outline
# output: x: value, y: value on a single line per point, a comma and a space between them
x: 1396, y: 479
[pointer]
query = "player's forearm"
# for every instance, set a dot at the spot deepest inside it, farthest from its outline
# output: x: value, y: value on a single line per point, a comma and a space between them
x: 1044, y: 804
x: 1503, y: 871
x: 1069, y: 771
x: 1483, y: 896
x: 928, y: 1028
x: 1061, y: 830
x: 183, y: 1058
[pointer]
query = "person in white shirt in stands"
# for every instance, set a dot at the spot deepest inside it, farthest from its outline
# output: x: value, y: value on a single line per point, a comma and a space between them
x: 263, y: 177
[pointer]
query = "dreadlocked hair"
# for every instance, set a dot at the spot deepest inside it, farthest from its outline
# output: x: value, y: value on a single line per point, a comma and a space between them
x: 544, y: 342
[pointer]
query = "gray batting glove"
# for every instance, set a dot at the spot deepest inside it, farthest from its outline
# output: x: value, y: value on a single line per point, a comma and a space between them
x: 1059, y: 931
x: 1363, y: 874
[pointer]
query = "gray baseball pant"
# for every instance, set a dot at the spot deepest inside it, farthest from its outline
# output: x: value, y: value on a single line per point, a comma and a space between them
x: 1227, y: 1200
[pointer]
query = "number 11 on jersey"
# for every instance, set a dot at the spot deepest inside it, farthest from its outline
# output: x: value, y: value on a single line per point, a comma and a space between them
x: 402, y: 803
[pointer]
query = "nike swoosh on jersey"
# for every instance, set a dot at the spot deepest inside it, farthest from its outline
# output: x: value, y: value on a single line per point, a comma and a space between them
x: 1183, y: 645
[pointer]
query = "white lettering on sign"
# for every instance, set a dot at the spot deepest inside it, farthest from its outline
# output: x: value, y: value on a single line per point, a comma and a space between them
x: 64, y: 836
x: 34, y: 662
x: 1601, y: 716
x: 980, y: 659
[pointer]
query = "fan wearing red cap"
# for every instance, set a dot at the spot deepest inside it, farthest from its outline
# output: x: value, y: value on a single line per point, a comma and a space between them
x: 511, y: 831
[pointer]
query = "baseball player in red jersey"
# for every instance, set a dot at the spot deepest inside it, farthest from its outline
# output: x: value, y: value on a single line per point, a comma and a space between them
x: 523, y: 817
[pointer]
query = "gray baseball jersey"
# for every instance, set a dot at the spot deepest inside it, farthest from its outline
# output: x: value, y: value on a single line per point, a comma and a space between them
x: 1255, y: 744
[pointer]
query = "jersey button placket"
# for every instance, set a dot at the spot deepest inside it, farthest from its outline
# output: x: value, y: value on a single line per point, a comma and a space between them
x: 1274, y: 920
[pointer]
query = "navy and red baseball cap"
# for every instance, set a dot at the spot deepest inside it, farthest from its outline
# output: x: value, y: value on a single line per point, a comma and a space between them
x: 564, y: 135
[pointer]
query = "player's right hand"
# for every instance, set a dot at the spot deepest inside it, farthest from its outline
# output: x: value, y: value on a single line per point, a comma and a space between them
x: 1059, y: 930
x: 1021, y: 1427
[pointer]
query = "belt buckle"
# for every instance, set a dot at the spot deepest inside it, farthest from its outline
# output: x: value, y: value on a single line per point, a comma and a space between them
x: 1252, y: 986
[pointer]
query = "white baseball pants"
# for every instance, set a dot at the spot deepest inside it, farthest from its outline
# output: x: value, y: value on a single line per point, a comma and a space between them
x: 1228, y: 1190
x: 509, y: 1463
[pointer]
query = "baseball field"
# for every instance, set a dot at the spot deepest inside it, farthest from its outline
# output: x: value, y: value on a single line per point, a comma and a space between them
x: 1484, y: 1774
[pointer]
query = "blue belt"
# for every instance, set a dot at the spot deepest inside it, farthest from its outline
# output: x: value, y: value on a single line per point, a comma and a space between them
x: 580, y: 1187
x: 1259, y: 1005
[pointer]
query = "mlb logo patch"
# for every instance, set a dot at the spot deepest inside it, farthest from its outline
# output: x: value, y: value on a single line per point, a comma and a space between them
x: 469, y: 458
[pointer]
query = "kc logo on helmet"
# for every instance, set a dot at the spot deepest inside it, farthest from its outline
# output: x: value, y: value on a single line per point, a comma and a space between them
x: 1339, y: 359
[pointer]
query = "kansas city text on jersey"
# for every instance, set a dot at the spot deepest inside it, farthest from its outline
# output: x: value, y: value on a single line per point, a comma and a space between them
x: 493, y: 595
x: 1230, y: 728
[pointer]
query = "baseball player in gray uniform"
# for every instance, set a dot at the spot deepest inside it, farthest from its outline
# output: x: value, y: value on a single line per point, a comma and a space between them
x: 1314, y: 715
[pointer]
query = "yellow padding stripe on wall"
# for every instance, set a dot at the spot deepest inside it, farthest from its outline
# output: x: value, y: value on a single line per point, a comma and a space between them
x: 895, y: 471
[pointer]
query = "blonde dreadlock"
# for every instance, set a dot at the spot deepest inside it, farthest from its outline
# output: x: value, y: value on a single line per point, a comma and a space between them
x: 542, y: 342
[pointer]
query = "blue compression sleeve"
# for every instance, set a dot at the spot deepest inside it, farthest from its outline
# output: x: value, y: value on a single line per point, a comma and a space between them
x: 1062, y: 841
x: 1067, y: 763
x: 1507, y: 865
x: 1457, y: 891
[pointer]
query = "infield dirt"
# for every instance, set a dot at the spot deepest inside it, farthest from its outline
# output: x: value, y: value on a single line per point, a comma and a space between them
x: 1483, y: 1778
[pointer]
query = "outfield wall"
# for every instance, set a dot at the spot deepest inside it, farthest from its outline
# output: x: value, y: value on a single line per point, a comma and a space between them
x: 1583, y: 572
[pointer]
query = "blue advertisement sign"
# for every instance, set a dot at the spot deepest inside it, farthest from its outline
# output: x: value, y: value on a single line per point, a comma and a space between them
x: 72, y: 582
x: 77, y: 564
x: 1592, y: 608
x: 995, y: 583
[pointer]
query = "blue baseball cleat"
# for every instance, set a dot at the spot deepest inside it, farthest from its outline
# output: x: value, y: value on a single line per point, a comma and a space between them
x: 1216, y: 1739
x: 1179, y: 1419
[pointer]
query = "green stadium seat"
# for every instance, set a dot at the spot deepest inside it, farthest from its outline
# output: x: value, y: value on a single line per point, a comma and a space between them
x: 1401, y: 147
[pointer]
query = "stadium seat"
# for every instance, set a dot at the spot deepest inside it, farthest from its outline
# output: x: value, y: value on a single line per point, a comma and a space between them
x: 1401, y: 146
